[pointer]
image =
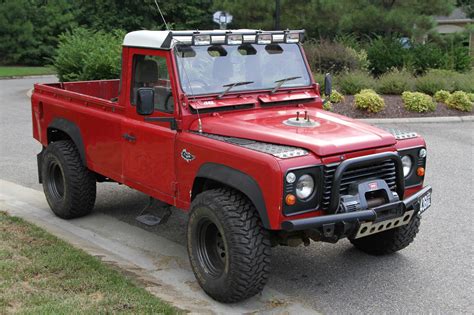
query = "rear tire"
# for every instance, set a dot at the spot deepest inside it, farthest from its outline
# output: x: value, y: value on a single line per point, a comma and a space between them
x: 70, y: 188
x: 389, y: 241
x: 228, y: 247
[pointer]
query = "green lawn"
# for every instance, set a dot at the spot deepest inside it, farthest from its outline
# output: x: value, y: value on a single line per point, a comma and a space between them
x: 24, y: 71
x: 41, y: 274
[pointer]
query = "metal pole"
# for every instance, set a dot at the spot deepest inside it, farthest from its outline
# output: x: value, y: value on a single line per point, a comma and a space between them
x: 277, y: 14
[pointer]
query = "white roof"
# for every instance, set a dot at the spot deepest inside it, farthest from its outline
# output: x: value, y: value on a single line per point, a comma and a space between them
x: 156, y: 39
x: 149, y: 39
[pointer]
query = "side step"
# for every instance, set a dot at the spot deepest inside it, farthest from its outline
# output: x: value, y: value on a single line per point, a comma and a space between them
x: 369, y: 228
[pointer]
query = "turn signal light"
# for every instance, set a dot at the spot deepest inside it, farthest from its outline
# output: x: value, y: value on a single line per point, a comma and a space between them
x: 290, y: 199
x: 420, y: 171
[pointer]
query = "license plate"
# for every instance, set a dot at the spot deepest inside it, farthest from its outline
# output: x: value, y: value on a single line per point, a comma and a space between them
x: 425, y: 202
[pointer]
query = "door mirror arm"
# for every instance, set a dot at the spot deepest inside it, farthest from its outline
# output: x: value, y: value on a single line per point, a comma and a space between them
x: 171, y: 120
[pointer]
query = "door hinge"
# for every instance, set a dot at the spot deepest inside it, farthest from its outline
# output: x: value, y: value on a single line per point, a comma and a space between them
x: 174, y: 187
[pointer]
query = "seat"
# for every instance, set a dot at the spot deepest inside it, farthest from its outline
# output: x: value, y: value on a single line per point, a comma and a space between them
x: 146, y: 73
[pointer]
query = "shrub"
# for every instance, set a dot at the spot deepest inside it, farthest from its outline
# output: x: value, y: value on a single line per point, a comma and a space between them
x: 463, y: 82
x: 327, y: 106
x: 385, y: 54
x: 326, y: 56
x: 425, y: 57
x: 395, y: 82
x: 88, y: 55
x: 362, y: 59
x: 459, y: 100
x: 441, y: 96
x: 369, y: 100
x: 433, y: 81
x: 336, y: 97
x: 418, y: 102
x: 351, y: 83
x: 471, y: 96
x: 459, y: 59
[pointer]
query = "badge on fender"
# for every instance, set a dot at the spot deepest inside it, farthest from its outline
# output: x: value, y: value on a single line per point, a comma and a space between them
x: 188, y: 157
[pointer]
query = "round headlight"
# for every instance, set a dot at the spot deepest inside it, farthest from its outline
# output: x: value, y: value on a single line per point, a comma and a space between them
x: 305, y: 187
x: 407, y: 164
x: 422, y: 153
x: 290, y: 178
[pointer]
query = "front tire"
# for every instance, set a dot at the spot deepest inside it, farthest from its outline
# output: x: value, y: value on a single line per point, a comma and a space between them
x: 389, y: 241
x: 228, y: 247
x: 69, y: 187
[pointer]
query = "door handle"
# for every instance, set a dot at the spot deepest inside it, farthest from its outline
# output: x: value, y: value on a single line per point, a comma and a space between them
x: 129, y: 137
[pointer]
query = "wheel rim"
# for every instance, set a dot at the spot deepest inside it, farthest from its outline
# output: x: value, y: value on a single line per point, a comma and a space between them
x: 211, y: 249
x: 56, y: 184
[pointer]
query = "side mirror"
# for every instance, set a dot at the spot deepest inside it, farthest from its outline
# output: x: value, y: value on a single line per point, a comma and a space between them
x: 327, y: 85
x: 145, y: 101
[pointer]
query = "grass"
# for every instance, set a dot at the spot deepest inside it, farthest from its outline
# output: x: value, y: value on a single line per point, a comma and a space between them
x: 41, y: 274
x: 24, y: 71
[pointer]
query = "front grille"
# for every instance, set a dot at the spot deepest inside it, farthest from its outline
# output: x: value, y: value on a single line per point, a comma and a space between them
x: 385, y: 170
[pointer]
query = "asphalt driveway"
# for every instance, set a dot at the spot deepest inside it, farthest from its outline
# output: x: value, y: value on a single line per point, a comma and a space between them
x: 434, y: 274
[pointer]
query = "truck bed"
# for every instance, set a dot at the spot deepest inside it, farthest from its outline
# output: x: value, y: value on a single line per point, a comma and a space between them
x: 101, y: 89
x: 92, y: 108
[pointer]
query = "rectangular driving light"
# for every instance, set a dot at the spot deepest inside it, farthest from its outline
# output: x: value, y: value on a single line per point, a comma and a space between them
x: 264, y: 39
x: 235, y: 39
x: 201, y: 40
x: 292, y: 37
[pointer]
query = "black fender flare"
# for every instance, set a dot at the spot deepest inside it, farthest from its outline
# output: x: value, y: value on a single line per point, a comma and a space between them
x: 239, y: 181
x: 72, y: 130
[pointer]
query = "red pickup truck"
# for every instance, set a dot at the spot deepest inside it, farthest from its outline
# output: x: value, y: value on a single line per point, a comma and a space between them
x: 229, y: 126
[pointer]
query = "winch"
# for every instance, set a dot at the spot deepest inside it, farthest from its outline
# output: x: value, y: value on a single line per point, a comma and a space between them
x: 367, y: 195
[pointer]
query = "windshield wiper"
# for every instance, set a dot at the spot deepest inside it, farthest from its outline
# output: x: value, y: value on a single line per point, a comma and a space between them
x: 281, y: 82
x: 230, y: 86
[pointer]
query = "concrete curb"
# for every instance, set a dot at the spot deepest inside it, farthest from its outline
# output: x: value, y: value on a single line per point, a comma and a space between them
x: 160, y: 264
x: 418, y: 120
x: 28, y: 77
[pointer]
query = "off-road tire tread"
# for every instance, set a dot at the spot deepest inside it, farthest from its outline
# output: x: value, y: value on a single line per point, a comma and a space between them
x: 250, y: 266
x: 81, y: 182
x: 390, y: 241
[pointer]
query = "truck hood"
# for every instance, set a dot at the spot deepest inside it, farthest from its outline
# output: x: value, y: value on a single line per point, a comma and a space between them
x: 332, y: 133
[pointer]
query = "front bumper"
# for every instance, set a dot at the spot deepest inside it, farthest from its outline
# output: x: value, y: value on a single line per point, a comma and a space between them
x: 399, y: 208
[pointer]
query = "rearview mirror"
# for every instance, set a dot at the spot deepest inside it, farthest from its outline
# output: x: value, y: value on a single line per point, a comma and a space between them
x: 145, y: 101
x: 327, y: 85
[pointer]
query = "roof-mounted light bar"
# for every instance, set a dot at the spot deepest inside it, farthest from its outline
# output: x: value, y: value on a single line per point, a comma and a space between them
x: 238, y: 37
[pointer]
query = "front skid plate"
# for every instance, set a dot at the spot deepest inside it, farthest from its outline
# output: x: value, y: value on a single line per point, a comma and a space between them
x: 369, y: 228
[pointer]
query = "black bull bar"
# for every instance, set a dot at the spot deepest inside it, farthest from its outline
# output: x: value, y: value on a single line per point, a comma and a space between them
x: 362, y: 215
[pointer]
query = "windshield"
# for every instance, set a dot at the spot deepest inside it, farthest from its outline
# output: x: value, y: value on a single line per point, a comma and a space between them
x: 208, y: 69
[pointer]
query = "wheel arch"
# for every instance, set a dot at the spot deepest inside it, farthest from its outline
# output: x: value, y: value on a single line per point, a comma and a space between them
x: 212, y: 175
x: 63, y: 129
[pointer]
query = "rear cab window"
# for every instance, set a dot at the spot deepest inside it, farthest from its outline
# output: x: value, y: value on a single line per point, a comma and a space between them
x: 152, y: 71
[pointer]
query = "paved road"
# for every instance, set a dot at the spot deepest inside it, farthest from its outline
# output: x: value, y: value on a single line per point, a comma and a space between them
x: 434, y: 274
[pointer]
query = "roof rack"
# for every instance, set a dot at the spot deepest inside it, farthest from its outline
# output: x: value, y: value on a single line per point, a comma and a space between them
x: 167, y: 39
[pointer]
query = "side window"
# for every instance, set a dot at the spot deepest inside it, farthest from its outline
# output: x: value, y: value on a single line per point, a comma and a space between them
x: 152, y: 71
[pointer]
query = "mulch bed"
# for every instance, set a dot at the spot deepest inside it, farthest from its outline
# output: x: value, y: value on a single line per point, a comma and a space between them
x: 393, y: 109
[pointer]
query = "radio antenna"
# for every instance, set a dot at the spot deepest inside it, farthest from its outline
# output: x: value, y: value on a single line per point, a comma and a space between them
x: 162, y: 17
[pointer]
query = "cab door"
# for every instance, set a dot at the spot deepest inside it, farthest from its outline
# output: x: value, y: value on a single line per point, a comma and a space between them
x: 148, y: 143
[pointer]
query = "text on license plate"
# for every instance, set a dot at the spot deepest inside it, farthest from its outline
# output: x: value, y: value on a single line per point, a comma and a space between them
x: 425, y: 202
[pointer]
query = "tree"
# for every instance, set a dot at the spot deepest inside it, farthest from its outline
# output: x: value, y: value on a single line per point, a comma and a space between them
x: 387, y: 17
x: 326, y: 18
x: 108, y: 15
x: 249, y: 13
x: 467, y: 6
x: 29, y: 29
